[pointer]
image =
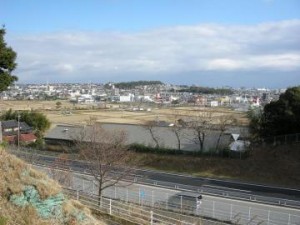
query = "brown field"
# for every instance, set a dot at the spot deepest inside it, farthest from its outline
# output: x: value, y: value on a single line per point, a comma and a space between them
x: 114, y: 113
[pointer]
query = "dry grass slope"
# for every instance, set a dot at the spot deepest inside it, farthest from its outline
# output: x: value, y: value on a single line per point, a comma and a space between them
x: 277, y: 165
x: 15, y: 175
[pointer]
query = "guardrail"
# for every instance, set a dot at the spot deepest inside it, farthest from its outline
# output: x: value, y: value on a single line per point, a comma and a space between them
x: 38, y: 159
x: 168, y: 203
x: 222, y: 193
x: 134, y: 213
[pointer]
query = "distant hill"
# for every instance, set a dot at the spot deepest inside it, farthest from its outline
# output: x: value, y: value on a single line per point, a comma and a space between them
x: 207, y: 90
x: 133, y: 84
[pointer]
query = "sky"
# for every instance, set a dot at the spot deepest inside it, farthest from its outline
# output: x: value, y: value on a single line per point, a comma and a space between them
x: 212, y: 43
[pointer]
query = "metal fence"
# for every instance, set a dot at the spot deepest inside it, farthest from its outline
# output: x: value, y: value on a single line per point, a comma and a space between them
x: 283, y: 139
x: 166, y: 202
x: 135, y: 213
x: 236, y: 213
x: 38, y: 160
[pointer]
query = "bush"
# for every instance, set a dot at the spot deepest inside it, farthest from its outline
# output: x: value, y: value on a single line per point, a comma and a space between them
x: 143, y: 148
x: 38, y: 144
x: 224, y: 153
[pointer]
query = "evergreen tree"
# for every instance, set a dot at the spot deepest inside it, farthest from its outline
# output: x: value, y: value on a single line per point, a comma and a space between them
x: 7, y: 63
x: 278, y: 117
x: 38, y: 121
x: 283, y: 116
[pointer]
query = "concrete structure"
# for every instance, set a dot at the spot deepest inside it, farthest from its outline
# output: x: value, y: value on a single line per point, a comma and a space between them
x: 141, y: 135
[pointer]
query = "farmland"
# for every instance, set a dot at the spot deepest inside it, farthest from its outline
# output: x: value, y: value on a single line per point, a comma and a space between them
x: 80, y: 114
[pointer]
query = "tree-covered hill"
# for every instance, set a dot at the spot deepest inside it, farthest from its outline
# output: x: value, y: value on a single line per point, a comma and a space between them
x: 133, y: 84
x: 207, y: 90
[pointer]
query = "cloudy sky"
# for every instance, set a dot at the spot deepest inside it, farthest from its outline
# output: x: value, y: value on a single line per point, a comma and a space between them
x: 204, y: 42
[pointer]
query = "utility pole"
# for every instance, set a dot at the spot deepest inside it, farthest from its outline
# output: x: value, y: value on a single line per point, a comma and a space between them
x: 18, y: 130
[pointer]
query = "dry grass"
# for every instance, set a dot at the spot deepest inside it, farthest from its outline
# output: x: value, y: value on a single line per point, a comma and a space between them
x: 14, y: 176
x: 35, y: 105
x: 115, y: 113
x: 269, y: 165
x: 13, y: 215
x: 72, y: 207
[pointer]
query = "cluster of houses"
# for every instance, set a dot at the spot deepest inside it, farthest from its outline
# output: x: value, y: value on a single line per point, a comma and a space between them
x: 158, y: 93
x: 16, y: 132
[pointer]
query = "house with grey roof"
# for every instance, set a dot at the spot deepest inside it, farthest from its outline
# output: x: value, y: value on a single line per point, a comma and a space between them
x: 11, y: 127
x: 67, y: 134
x: 13, y: 131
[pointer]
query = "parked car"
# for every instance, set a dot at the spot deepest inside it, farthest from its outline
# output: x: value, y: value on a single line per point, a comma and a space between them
x: 185, y: 202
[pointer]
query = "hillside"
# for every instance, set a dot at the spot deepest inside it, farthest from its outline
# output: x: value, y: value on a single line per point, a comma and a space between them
x: 29, y: 197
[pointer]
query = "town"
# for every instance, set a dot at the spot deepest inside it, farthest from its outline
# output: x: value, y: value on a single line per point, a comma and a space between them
x: 164, y: 94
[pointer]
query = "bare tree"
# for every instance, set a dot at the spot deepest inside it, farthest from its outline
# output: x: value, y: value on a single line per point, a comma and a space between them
x: 178, y: 128
x: 222, y: 125
x: 178, y: 131
x: 201, y: 125
x: 105, y: 155
x: 150, y: 126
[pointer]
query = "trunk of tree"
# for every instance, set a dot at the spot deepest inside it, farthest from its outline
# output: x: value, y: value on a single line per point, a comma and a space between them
x: 178, y: 140
x: 201, y: 137
x: 105, y: 151
x: 218, y: 141
x: 99, y: 193
x: 154, y: 138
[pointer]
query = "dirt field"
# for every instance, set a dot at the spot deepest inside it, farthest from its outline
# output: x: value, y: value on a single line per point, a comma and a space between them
x: 114, y: 113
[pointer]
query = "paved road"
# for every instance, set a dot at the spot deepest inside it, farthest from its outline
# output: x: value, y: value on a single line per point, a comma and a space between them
x: 222, y: 185
x: 242, y: 212
x: 230, y: 189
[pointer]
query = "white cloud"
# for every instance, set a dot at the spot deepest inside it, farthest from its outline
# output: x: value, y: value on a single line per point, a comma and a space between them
x: 65, y: 68
x: 224, y: 64
x: 278, y: 62
x: 205, y: 47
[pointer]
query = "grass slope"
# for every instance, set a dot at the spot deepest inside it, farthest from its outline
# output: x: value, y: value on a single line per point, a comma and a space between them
x: 15, y: 175
x: 268, y: 165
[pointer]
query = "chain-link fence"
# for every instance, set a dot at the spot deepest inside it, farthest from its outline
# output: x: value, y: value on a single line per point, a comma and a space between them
x: 155, y: 198
x: 134, y: 212
x: 186, y: 203
x: 283, y: 139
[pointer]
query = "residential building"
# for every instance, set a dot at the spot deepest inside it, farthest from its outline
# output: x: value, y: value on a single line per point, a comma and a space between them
x: 13, y: 131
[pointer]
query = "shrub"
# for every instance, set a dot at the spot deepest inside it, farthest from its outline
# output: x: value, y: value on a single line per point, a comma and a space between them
x: 224, y: 153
